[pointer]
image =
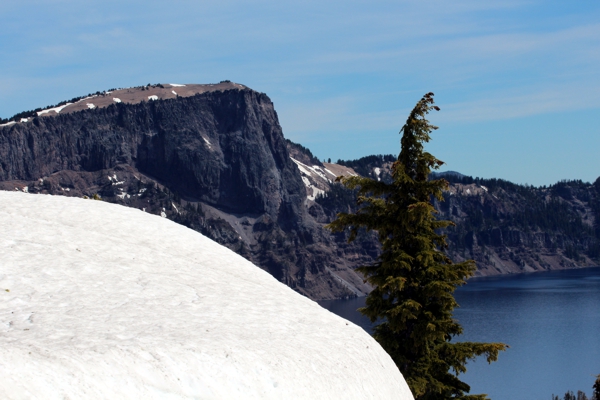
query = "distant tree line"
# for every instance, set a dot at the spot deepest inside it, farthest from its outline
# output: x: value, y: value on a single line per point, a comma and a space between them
x: 33, y: 113
x: 581, y: 395
x: 363, y: 166
x: 304, y: 150
x: 561, y: 210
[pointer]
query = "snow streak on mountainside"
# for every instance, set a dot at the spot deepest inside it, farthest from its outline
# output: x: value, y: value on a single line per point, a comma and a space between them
x: 104, y: 301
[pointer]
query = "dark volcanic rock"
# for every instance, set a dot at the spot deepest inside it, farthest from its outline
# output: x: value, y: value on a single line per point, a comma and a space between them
x: 222, y: 148
x: 216, y: 162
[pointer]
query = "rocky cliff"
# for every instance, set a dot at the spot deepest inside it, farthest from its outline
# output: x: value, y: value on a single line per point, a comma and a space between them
x: 211, y: 157
x: 506, y: 228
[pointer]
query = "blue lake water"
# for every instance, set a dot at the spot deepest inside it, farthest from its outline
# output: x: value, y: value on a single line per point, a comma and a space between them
x: 551, y: 320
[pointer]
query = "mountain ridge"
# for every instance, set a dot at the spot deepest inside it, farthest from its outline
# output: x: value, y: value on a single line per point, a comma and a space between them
x: 506, y: 227
x: 216, y: 160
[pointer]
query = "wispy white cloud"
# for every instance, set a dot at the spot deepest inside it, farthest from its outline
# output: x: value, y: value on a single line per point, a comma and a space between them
x: 332, y: 68
x: 502, y: 106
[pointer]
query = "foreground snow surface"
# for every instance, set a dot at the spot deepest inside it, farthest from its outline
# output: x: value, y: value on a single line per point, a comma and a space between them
x: 103, y: 301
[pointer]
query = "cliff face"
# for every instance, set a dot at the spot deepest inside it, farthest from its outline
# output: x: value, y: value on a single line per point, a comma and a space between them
x: 508, y: 228
x: 222, y: 148
x: 215, y: 161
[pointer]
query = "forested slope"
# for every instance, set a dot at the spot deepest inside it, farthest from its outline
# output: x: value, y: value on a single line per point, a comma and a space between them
x: 505, y: 227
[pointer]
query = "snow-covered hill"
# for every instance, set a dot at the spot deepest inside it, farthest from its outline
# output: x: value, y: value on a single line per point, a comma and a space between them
x: 104, y: 301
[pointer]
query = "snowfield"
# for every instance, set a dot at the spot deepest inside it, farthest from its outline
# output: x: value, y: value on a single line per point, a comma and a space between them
x: 103, y: 301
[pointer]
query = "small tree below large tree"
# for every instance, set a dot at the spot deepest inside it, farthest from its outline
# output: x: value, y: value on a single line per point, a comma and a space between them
x: 413, y: 280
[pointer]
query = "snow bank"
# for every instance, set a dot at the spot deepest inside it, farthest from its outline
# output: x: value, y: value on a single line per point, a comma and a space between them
x: 104, y: 301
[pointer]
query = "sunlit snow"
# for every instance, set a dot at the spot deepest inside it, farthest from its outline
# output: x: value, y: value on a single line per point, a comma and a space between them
x: 55, y: 109
x: 8, y: 123
x: 116, y: 100
x: 101, y: 301
x: 330, y: 173
x: 315, y: 192
x: 90, y: 106
x: 306, y: 182
x: 311, y: 169
x: 153, y: 97
x: 175, y: 84
x: 302, y: 167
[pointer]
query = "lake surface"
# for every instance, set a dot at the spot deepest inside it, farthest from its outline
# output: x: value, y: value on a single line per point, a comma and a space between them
x: 551, y: 320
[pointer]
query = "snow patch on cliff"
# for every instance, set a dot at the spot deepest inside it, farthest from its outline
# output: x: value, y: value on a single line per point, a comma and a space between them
x: 377, y: 171
x: 312, y: 170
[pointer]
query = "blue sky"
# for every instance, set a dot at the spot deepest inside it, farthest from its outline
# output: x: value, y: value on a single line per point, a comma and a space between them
x: 518, y: 82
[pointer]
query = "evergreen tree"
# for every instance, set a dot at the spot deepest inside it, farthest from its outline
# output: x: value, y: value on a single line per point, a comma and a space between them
x: 569, y: 396
x: 413, y: 279
x: 596, y: 387
x: 581, y: 395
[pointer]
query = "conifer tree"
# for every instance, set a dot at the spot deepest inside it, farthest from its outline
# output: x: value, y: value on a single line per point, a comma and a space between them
x: 413, y: 280
x: 596, y: 387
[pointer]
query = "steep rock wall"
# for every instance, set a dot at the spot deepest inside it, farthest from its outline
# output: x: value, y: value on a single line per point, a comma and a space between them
x: 216, y: 162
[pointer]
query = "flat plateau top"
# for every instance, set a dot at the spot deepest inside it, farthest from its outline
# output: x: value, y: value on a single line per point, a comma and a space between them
x: 145, y: 93
x: 134, y: 95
